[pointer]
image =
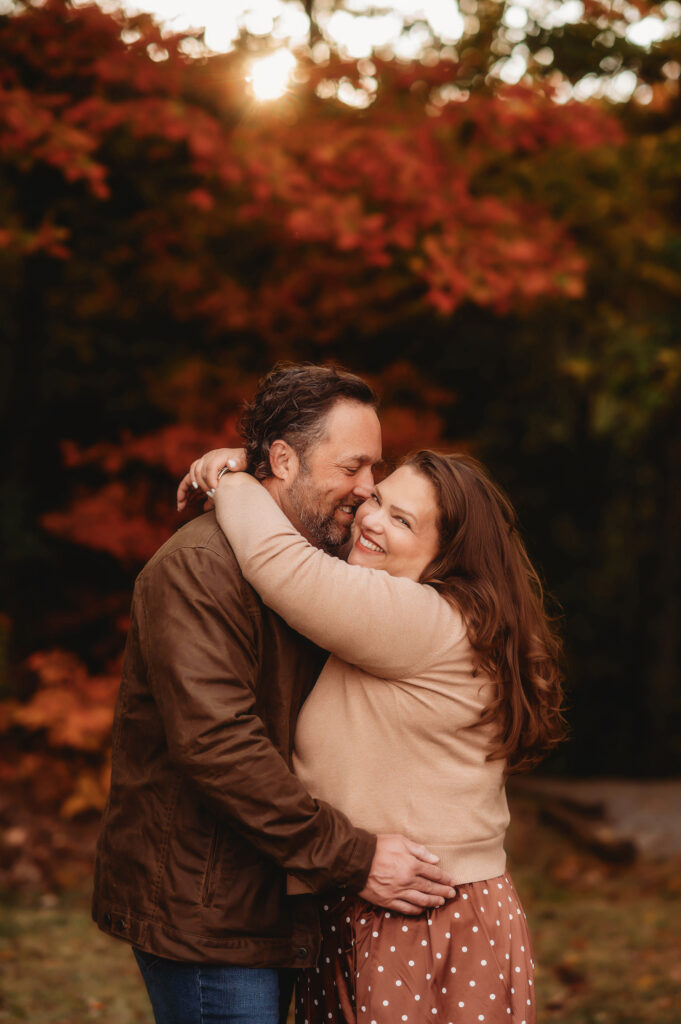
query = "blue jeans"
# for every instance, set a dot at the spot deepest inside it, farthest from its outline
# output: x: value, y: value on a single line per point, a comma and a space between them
x: 185, y: 993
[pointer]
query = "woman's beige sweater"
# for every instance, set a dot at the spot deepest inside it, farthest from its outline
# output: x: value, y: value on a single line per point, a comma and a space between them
x: 384, y: 734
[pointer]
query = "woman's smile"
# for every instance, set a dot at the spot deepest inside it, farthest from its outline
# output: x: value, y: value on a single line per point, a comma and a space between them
x: 368, y: 544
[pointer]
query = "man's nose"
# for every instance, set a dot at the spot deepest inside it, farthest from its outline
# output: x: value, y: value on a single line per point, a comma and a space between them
x: 364, y: 483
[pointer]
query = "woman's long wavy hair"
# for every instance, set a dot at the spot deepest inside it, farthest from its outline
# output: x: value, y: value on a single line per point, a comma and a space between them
x: 483, y: 568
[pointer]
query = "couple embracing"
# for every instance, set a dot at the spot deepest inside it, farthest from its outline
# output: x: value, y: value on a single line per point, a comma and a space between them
x: 327, y: 681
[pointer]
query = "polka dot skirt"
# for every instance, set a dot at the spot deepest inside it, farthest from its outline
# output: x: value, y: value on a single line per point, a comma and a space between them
x: 467, y: 962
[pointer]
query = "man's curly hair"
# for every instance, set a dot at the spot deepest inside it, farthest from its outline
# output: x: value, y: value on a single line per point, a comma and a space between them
x: 291, y: 405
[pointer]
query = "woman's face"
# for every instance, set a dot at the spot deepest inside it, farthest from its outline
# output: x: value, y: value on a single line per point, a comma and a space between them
x: 396, y: 528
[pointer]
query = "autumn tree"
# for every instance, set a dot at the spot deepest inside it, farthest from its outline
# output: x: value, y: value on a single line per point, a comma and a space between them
x: 503, y: 261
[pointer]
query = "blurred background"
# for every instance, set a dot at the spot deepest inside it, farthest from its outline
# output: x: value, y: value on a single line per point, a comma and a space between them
x: 477, y: 205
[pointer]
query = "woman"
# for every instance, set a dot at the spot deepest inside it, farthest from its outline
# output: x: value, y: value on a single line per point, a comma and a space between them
x: 442, y: 678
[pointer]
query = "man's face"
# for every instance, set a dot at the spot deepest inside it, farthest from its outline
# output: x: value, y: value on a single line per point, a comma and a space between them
x: 336, y: 476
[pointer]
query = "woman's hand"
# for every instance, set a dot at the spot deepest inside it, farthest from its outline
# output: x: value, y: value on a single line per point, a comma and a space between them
x: 203, y: 474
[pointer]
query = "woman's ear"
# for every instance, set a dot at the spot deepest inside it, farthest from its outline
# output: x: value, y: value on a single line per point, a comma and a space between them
x: 284, y: 462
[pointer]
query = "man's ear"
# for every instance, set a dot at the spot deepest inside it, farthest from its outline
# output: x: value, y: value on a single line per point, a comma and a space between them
x: 284, y: 462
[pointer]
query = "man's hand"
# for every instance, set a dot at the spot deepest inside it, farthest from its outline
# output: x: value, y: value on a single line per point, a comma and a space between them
x: 202, y: 477
x: 404, y: 877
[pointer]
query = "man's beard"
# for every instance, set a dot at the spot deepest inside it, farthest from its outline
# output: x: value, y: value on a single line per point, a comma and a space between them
x: 316, y: 516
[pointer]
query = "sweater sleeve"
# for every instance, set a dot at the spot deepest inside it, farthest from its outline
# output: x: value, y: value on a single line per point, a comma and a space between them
x: 390, y: 626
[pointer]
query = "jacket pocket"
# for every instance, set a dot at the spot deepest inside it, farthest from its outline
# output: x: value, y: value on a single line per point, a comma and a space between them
x: 210, y: 873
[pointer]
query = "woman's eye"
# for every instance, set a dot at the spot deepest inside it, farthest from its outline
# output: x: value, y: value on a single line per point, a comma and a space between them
x: 403, y: 521
x: 374, y: 497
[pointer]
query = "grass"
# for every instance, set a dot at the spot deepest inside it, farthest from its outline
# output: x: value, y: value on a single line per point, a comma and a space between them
x: 56, y: 967
x: 607, y: 940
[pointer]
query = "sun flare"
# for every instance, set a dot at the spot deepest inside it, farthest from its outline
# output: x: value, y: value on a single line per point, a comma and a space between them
x: 270, y: 75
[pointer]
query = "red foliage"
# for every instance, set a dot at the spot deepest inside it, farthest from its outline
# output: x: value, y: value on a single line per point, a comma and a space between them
x: 356, y: 210
x: 72, y: 711
x: 74, y: 708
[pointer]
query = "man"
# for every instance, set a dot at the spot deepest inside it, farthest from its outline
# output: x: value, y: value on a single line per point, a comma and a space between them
x: 205, y: 818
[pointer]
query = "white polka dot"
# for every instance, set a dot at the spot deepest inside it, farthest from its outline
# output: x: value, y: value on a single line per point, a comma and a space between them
x: 424, y: 942
x: 427, y: 977
x: 464, y: 949
x: 461, y: 1004
x: 363, y: 920
x: 522, y: 949
x: 453, y: 970
x: 375, y: 934
x: 475, y: 928
x: 387, y: 913
x: 499, y: 885
x: 347, y: 920
x: 364, y: 1009
x: 464, y: 895
x: 486, y: 892
x: 404, y: 1017
x: 438, y: 956
x: 326, y: 906
x: 491, y: 942
x: 392, y: 949
x: 433, y: 1010
x: 398, y: 982
x: 472, y: 984
x: 492, y: 995
x: 448, y: 935
x: 404, y: 928
x: 481, y: 1016
x: 386, y: 1003
x: 457, y: 914
x: 411, y: 963
x: 444, y: 991
x: 483, y: 963
x: 517, y: 970
x: 417, y: 997
x: 380, y: 969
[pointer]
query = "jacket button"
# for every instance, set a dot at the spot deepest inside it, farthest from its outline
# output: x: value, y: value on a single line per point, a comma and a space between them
x: 107, y: 919
x: 302, y: 952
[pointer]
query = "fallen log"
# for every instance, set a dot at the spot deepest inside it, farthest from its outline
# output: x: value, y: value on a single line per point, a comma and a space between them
x: 597, y: 836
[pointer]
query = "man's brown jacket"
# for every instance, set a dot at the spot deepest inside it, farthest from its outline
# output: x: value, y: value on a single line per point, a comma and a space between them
x: 204, y: 817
